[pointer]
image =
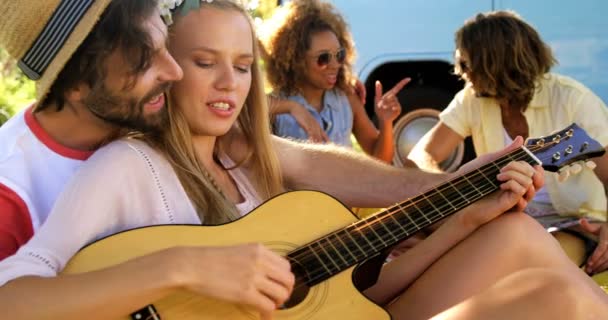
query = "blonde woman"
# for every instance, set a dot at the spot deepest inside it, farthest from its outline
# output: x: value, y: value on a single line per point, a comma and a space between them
x: 218, y: 141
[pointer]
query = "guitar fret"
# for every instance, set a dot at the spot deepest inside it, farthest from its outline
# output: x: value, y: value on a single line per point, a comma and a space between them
x: 447, y: 200
x: 363, y: 252
x: 408, y: 216
x: 492, y: 182
x: 472, y: 185
x: 346, y: 263
x: 371, y: 227
x: 458, y: 191
x: 385, y: 227
x: 320, y: 259
x: 329, y: 256
x: 420, y: 211
x: 432, y: 205
x: 399, y: 224
x: 346, y: 246
x: 362, y: 234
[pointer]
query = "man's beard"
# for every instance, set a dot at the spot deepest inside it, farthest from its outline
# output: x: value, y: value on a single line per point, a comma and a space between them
x: 127, y: 112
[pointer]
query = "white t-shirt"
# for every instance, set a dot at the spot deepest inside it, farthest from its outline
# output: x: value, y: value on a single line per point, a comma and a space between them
x: 124, y: 185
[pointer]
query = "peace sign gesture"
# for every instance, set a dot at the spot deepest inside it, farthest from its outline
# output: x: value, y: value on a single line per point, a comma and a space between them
x: 387, y: 106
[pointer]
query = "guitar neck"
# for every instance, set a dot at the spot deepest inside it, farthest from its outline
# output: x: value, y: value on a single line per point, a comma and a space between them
x: 369, y: 237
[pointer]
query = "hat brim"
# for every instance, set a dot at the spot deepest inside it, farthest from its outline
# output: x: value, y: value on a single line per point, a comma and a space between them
x: 80, y: 32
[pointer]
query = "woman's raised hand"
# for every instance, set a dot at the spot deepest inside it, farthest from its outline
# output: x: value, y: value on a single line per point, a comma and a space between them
x: 387, y: 106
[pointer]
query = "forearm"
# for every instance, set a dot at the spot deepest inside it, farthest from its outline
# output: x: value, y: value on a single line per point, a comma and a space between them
x: 425, y: 160
x: 279, y: 106
x: 383, y: 148
x: 434, y: 147
x: 106, y: 294
x: 353, y: 178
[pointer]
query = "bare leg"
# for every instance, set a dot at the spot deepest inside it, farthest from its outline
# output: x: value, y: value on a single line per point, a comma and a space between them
x: 531, y: 294
x: 511, y: 243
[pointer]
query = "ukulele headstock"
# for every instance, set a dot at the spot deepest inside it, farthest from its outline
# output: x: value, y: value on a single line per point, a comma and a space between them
x: 565, y: 147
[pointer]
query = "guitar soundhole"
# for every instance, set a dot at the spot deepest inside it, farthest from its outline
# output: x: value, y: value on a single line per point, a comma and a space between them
x: 300, y: 291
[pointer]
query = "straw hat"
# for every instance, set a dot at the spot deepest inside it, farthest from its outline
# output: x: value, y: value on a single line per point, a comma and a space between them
x: 43, y: 34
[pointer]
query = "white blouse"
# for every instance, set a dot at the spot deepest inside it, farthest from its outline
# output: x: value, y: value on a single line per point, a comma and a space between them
x: 124, y: 185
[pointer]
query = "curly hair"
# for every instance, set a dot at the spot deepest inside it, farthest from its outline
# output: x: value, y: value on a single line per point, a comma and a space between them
x: 506, y: 56
x: 287, y: 36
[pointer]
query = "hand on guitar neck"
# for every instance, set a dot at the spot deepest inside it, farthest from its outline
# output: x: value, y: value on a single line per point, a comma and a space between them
x: 519, y: 182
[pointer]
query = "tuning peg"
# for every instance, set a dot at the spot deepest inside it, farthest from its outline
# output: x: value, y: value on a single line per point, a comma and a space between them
x: 563, y: 175
x: 575, y: 168
x: 590, y: 164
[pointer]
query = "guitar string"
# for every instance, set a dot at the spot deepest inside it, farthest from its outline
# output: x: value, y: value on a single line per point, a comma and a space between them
x: 323, y: 272
x: 320, y: 272
x: 422, y: 220
x: 386, y: 213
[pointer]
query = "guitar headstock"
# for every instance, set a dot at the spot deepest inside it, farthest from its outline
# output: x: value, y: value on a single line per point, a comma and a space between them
x: 564, y: 148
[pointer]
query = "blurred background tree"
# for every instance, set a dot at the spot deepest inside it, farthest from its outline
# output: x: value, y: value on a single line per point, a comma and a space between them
x: 17, y: 91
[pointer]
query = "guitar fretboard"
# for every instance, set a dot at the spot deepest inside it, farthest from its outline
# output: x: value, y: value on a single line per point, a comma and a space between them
x: 369, y: 237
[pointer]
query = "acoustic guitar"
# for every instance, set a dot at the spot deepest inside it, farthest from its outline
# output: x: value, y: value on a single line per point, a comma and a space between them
x: 327, y: 245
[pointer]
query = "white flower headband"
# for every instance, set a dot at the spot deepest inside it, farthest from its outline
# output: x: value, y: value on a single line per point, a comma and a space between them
x: 167, y: 7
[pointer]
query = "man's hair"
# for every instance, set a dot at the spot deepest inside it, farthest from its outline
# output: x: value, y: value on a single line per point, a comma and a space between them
x: 120, y: 27
x: 506, y: 56
x: 288, y: 37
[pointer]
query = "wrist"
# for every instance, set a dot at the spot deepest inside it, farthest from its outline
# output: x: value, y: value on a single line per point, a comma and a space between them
x: 385, y: 125
x: 174, y: 268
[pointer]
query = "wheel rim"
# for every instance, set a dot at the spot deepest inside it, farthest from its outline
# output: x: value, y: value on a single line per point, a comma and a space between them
x: 411, y: 127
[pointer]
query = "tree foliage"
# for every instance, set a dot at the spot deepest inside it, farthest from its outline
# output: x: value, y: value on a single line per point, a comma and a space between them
x: 16, y: 90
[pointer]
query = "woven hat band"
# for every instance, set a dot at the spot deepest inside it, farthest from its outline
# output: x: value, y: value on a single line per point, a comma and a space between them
x: 53, y: 36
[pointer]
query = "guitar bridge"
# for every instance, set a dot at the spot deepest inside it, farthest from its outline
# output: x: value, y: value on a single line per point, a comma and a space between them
x: 146, y: 313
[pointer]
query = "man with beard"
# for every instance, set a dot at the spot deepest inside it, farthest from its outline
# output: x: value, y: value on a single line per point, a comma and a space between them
x: 101, y: 69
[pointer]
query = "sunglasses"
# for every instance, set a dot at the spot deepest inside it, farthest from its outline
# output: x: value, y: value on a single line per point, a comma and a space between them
x: 325, y: 58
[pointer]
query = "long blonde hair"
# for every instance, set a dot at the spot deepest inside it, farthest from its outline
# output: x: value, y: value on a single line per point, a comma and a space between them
x: 253, y: 123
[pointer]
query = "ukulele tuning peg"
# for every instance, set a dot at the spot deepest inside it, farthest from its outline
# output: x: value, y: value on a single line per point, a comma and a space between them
x: 563, y: 175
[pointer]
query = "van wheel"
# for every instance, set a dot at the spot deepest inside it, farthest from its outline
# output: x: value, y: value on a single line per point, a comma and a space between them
x: 420, y: 112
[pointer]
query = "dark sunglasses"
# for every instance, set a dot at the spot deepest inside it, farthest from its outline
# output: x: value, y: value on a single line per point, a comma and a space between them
x: 324, y: 58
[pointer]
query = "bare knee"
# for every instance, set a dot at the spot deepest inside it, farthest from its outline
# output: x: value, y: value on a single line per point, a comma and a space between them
x: 531, y: 294
x: 515, y: 225
x: 564, y: 294
x: 518, y: 231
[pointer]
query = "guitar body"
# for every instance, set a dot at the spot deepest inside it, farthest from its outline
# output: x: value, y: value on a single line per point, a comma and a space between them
x: 321, y: 237
x: 283, y: 224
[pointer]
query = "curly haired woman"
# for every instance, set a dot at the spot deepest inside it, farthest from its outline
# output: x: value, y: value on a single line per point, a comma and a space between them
x: 309, y: 61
